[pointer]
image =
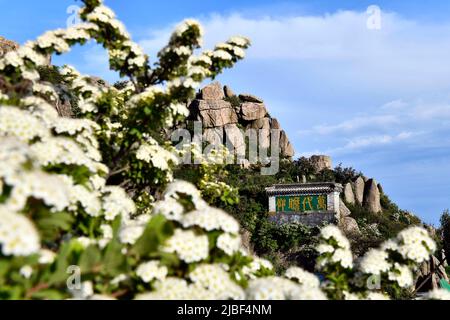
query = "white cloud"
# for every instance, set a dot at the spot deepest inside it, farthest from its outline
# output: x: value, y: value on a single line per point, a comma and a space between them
x: 403, y: 53
x: 354, y: 124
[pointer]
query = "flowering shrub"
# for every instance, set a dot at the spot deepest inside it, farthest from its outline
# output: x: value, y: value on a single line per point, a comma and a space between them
x: 77, y: 196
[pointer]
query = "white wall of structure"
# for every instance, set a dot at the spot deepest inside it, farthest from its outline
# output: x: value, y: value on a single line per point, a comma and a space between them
x: 272, y: 204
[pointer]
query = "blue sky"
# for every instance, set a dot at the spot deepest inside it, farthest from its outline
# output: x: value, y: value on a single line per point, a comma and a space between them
x: 377, y: 100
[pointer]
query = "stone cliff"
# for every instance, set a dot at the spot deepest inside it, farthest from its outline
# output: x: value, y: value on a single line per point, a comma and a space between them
x: 225, y: 116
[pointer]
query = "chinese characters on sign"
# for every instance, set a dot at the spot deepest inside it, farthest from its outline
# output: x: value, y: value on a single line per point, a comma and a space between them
x: 301, y: 203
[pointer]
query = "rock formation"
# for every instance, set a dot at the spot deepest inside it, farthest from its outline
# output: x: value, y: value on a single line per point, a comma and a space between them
x: 358, y: 187
x: 372, y: 196
x: 7, y: 46
x: 213, y: 113
x: 223, y: 114
x: 347, y: 224
x: 349, y: 196
x: 321, y: 162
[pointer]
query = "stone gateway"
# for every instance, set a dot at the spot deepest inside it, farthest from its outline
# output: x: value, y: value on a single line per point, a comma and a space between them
x: 307, y: 203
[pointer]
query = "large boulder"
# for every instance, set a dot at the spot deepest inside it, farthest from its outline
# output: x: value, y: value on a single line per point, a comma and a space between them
x: 380, y: 188
x: 286, y: 148
x: 213, y: 113
x: 372, y: 196
x: 263, y: 123
x: 252, y: 111
x: 349, y: 196
x: 228, y: 92
x: 245, y: 97
x: 350, y: 226
x: 321, y: 162
x: 358, y: 187
x: 212, y: 91
x: 343, y: 210
x: 275, y: 124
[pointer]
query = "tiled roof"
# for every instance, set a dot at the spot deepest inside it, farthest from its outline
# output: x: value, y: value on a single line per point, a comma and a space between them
x: 304, y: 188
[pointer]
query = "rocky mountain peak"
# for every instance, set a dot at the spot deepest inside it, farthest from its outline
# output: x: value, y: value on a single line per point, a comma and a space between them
x: 225, y: 114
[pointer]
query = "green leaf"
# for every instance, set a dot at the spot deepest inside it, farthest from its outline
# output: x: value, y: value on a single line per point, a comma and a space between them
x: 89, y: 259
x: 114, y: 262
x: 62, y: 263
x: 48, y: 294
x: 156, y: 232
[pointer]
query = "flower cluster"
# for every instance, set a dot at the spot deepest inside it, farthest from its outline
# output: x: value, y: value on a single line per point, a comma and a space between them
x: 81, y: 190
x: 334, y: 248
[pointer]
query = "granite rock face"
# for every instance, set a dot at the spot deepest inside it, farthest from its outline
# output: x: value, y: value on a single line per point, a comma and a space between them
x: 349, y: 196
x: 213, y: 113
x: 275, y: 124
x: 228, y: 92
x: 321, y: 162
x: 212, y: 91
x: 372, y: 196
x: 285, y: 145
x: 222, y: 119
x: 250, y: 98
x: 343, y: 210
x: 358, y: 187
x: 253, y: 111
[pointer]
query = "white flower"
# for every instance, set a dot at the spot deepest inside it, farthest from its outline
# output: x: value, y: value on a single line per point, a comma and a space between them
x: 107, y: 231
x: 84, y: 241
x: 116, y: 202
x: 26, y: 271
x: 120, y: 278
x: 27, y: 52
x: 238, y: 52
x: 156, y: 155
x: 274, y: 288
x: 46, y: 256
x: 167, y: 289
x: 324, y: 248
x: 51, y: 39
x: 18, y: 236
x: 239, y: 41
x: 438, y: 294
x: 222, y: 54
x: 185, y: 25
x: 211, y: 219
x: 169, y: 208
x: 216, y: 281
x: 402, y: 275
x: 255, y: 266
x: 334, y: 232
x: 132, y: 229
x: 188, y: 246
x: 139, y: 61
x: 376, y: 296
x: 308, y: 280
x: 228, y: 243
x: 21, y: 124
x: 343, y: 257
x: 415, y: 244
x: 151, y: 270
x: 12, y: 58
x: 375, y: 262
x: 182, y: 51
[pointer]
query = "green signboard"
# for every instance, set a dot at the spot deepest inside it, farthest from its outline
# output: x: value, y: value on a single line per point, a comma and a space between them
x: 301, y: 203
